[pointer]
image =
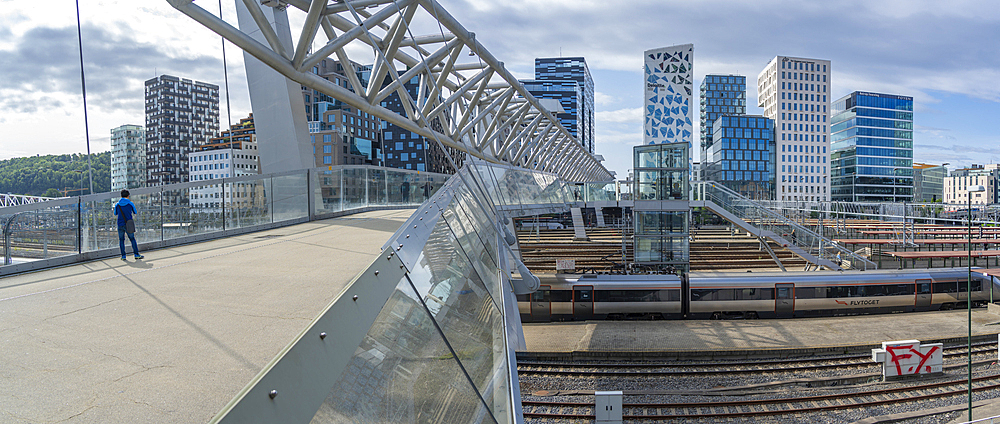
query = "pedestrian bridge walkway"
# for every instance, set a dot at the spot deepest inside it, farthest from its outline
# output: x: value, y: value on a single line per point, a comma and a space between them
x: 173, y: 337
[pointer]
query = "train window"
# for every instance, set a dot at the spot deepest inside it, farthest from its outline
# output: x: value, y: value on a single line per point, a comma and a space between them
x: 627, y: 296
x: 899, y: 290
x: 946, y: 287
x: 924, y: 288
x: 766, y: 294
x: 748, y: 294
x: 523, y: 297
x: 583, y: 295
x: 702, y: 294
x: 810, y: 293
x: 561, y: 296
x: 670, y: 295
x: 725, y: 294
x: 976, y: 285
x: 540, y: 296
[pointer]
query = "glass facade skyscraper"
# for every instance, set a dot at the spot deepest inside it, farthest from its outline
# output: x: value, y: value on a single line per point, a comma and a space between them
x: 720, y: 94
x: 742, y: 155
x: 555, y: 73
x: 872, y: 156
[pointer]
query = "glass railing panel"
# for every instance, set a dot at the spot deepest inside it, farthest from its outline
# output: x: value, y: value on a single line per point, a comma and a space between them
x: 99, y: 224
x: 289, y: 196
x: 399, y: 188
x: 203, y: 212
x: 46, y: 232
x: 329, y: 191
x: 191, y: 211
x: 377, y: 190
x: 482, y: 227
x: 464, y: 308
x: 355, y: 186
x: 149, y: 220
x: 249, y: 203
x: 403, y: 372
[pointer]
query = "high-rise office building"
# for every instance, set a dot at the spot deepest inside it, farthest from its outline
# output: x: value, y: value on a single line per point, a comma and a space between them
x: 794, y: 92
x: 928, y: 182
x: 128, y: 157
x: 668, y: 89
x: 872, y: 143
x: 720, y: 94
x: 408, y: 150
x: 181, y: 116
x: 742, y: 155
x: 341, y: 134
x: 552, y: 81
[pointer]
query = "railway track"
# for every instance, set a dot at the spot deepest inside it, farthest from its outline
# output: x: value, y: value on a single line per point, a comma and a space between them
x: 795, y: 405
x: 654, y: 369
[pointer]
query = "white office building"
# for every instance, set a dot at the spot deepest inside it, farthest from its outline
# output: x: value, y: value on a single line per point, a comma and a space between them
x: 795, y: 93
x: 668, y: 90
x: 128, y: 157
x: 214, y: 163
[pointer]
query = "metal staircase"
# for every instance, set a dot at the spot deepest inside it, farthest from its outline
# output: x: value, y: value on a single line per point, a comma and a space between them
x: 763, y: 222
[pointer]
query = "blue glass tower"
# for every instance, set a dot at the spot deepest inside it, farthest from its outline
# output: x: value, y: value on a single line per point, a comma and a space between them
x: 720, y: 94
x: 556, y: 73
x: 743, y: 155
x: 872, y: 157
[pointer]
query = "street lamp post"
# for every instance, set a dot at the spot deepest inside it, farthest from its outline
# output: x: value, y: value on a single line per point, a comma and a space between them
x: 968, y: 291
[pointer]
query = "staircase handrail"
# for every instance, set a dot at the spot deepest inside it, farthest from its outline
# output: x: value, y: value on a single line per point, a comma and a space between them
x: 768, y: 213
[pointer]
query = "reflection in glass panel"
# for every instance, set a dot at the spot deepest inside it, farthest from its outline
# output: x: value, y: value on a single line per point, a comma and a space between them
x: 403, y: 372
x: 377, y: 190
x: 463, y: 305
x: 355, y: 188
x: 290, y: 199
x: 41, y: 233
x: 249, y: 204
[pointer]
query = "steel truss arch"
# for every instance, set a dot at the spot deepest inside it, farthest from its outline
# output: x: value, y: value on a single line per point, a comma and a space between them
x: 477, y: 106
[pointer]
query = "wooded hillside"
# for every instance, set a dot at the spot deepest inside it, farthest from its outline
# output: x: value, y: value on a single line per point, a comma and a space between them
x: 55, y: 175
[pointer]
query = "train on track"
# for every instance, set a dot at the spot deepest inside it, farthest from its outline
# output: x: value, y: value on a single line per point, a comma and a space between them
x: 751, y: 295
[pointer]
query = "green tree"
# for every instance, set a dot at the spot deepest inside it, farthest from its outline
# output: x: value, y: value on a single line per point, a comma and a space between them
x: 40, y: 175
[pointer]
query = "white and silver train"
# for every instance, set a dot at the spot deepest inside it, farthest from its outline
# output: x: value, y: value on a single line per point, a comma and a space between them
x: 750, y: 295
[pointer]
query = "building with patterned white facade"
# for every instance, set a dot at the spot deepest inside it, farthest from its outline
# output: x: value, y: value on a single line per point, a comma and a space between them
x: 128, y: 157
x: 668, y: 95
x: 795, y: 93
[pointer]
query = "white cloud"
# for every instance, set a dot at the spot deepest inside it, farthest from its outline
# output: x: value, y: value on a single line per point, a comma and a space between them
x: 601, y: 99
x: 632, y: 115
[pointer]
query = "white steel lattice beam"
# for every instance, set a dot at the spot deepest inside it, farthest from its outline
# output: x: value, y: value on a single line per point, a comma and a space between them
x: 477, y: 107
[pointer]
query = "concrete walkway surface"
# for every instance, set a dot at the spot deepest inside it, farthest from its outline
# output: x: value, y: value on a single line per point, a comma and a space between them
x: 173, y: 337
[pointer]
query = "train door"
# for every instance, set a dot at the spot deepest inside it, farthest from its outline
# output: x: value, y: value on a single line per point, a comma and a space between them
x: 541, y: 307
x: 923, y: 293
x: 784, y: 299
x: 583, y: 302
x: 963, y: 290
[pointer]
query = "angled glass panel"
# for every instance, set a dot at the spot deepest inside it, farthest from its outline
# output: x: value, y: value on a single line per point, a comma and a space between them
x: 463, y: 306
x: 403, y: 372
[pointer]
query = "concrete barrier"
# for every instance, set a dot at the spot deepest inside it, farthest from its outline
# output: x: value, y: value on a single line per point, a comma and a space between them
x: 905, y: 358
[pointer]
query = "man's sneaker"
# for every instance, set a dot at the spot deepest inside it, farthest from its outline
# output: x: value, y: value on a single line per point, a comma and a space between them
x: 123, y: 258
x: 139, y: 256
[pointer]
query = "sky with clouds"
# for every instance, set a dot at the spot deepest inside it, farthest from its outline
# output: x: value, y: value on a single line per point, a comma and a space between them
x: 944, y: 54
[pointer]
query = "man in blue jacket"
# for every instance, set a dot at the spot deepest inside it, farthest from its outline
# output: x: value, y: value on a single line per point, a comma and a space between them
x: 124, y: 209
